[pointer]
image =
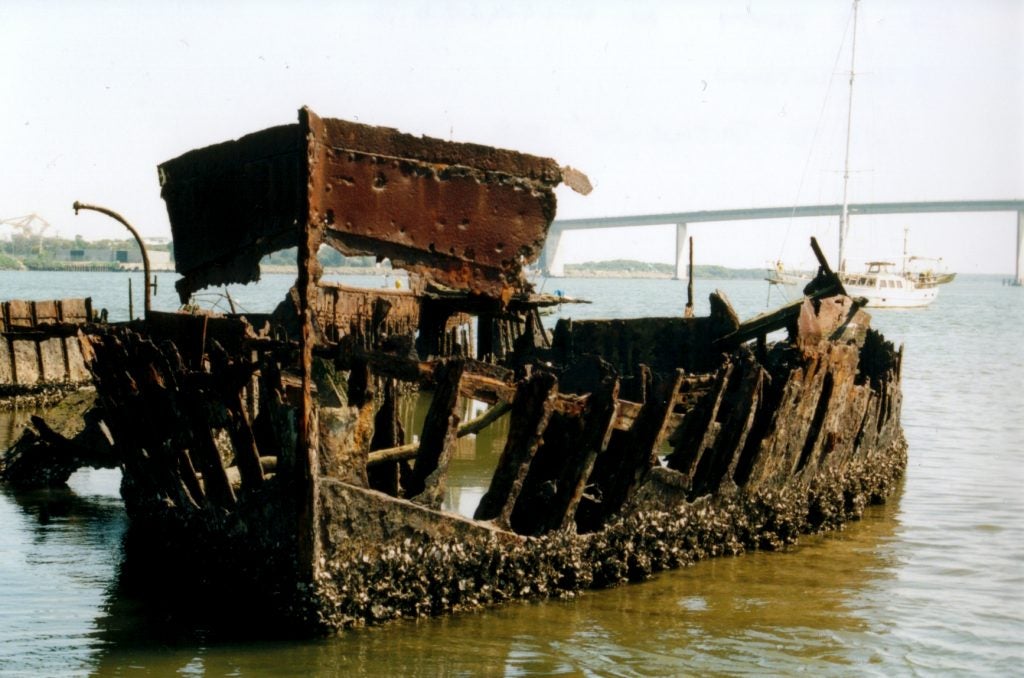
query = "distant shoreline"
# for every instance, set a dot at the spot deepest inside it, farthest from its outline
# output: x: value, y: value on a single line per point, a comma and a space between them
x: 704, y: 272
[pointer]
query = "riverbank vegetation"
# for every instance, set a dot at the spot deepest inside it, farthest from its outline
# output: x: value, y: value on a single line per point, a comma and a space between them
x: 629, y: 268
x: 32, y: 252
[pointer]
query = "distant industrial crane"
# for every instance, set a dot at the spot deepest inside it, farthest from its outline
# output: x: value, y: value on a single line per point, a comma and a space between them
x: 30, y: 226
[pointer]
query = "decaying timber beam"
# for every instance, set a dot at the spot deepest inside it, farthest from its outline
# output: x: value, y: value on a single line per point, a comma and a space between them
x: 825, y: 284
x: 388, y: 433
x: 428, y: 480
x: 628, y: 455
x: 765, y: 323
x: 531, y: 412
x: 562, y: 465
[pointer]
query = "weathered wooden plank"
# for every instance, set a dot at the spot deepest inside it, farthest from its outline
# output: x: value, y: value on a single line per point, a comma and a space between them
x: 531, y: 410
x: 486, y: 389
x: 77, y: 370
x: 46, y: 312
x: 19, y: 314
x: 189, y: 477
x: 733, y: 421
x: 52, y: 363
x: 598, y: 422
x: 626, y: 413
x: 6, y: 367
x: 26, y: 362
x: 571, y: 442
x: 429, y: 475
x: 229, y: 377
x: 206, y: 456
x: 75, y: 310
x: 387, y: 434
x: 627, y: 457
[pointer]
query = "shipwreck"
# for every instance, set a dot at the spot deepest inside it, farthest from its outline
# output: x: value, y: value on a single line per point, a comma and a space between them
x: 264, y: 459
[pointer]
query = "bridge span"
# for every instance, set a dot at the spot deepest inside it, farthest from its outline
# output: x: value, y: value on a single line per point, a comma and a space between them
x: 554, y: 265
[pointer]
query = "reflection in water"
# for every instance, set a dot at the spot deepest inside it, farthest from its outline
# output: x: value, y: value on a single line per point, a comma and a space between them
x: 58, y: 554
x: 12, y: 423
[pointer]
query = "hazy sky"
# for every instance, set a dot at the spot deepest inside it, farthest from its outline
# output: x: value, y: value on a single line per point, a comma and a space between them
x: 667, y: 107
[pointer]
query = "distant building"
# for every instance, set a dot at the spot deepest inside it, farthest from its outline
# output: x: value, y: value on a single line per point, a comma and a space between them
x: 159, y: 260
x: 99, y: 254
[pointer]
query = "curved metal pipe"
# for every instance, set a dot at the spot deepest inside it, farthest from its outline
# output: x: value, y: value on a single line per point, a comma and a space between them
x: 145, y: 255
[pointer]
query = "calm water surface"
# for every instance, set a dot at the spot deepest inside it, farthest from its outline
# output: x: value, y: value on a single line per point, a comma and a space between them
x: 928, y: 584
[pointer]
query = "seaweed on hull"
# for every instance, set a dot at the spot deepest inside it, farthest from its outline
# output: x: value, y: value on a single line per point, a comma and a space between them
x: 263, y: 456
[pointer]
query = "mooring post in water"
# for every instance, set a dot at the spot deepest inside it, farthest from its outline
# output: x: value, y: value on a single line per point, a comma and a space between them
x: 145, y: 255
x: 689, y: 284
x: 131, y: 301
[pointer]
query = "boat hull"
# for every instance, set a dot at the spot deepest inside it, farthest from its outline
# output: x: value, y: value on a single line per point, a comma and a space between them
x: 265, y: 464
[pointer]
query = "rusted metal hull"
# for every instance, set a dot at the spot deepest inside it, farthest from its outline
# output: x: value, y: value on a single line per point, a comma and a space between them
x: 264, y: 460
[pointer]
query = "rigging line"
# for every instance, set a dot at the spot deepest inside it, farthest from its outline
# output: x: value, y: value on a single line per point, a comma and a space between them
x: 817, y: 130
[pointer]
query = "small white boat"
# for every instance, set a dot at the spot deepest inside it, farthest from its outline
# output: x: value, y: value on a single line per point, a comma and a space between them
x: 881, y: 284
x: 884, y: 287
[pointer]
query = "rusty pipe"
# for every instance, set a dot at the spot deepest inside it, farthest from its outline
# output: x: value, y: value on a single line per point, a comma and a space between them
x: 145, y: 255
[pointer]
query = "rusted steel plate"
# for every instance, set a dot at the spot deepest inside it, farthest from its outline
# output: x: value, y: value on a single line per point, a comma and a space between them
x: 232, y: 203
x: 343, y: 310
x: 460, y: 214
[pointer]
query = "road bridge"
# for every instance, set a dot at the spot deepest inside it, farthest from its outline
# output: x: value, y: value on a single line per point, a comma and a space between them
x: 554, y: 265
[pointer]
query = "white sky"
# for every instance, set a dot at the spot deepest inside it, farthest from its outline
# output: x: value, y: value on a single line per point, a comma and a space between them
x: 666, y: 106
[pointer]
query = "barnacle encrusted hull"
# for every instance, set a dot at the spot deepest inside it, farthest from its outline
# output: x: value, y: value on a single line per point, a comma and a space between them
x: 265, y: 462
x: 759, y: 452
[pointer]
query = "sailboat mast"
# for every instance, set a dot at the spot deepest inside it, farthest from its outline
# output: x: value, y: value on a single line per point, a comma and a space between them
x: 844, y: 216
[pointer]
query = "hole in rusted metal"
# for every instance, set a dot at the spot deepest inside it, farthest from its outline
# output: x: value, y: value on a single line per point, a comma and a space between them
x: 464, y: 224
x: 380, y: 181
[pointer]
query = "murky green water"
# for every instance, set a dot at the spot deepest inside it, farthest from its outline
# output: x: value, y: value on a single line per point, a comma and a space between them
x: 932, y: 583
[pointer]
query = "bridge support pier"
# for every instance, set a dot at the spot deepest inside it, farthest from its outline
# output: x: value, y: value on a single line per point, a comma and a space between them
x: 1018, y: 275
x: 681, y: 258
x: 551, y: 257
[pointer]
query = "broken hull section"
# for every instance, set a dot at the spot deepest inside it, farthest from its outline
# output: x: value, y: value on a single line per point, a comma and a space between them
x: 756, y: 452
x: 265, y: 465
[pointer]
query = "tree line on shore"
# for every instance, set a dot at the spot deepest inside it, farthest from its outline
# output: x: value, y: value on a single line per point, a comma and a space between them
x: 24, y: 252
